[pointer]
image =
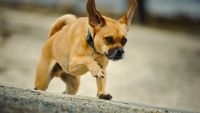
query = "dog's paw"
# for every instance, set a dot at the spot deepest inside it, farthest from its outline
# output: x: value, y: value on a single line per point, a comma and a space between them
x: 104, y: 96
x: 96, y: 71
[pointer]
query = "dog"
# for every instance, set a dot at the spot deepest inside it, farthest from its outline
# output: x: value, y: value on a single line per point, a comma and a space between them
x: 78, y: 45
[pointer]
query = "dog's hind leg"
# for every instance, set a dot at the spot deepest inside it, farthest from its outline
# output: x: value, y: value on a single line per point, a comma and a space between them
x: 72, y: 83
x: 43, y: 74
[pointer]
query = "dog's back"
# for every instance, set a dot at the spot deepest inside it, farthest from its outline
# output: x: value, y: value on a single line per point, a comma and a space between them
x: 61, y: 22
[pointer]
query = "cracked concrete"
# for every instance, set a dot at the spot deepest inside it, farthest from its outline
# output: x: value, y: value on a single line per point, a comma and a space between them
x: 23, y: 100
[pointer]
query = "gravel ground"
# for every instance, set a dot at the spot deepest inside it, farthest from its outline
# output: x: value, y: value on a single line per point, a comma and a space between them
x: 161, y: 68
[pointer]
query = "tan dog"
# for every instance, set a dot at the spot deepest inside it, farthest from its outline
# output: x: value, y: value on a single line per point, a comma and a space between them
x: 84, y: 44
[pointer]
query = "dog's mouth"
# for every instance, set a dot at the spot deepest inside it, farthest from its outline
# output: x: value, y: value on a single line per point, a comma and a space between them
x: 115, y: 54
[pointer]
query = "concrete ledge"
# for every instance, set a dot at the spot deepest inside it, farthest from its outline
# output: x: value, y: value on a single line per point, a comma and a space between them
x: 23, y: 100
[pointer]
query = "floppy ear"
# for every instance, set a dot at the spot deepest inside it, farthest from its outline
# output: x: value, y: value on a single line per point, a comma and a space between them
x: 95, y: 18
x: 126, y: 19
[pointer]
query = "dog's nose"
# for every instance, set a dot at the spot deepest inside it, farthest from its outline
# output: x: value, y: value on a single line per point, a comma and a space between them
x: 119, y: 51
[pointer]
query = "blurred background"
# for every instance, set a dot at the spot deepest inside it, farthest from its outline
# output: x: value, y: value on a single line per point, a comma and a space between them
x: 162, y: 61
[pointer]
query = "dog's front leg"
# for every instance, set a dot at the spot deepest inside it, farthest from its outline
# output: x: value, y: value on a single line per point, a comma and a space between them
x: 97, y: 69
x: 78, y: 62
x: 101, y: 84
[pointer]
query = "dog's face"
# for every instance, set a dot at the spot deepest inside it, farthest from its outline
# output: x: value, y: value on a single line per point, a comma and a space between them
x: 110, y: 35
x: 111, y: 39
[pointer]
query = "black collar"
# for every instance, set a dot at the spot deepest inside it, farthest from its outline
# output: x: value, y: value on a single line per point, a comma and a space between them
x: 90, y: 41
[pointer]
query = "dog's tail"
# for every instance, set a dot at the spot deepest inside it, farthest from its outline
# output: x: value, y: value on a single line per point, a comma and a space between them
x: 61, y: 22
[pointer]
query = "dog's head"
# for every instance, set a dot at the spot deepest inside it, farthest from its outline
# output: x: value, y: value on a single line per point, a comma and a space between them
x: 110, y: 36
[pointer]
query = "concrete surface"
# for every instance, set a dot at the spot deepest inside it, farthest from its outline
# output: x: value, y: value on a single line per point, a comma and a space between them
x: 161, y: 68
x: 23, y: 100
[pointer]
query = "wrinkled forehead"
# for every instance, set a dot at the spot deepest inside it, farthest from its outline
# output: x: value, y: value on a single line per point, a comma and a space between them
x: 114, y: 28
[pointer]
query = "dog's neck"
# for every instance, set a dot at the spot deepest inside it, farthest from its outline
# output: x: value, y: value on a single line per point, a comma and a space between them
x: 90, y: 41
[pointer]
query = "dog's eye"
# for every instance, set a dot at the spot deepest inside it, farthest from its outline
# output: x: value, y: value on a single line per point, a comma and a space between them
x: 123, y: 42
x: 109, y: 39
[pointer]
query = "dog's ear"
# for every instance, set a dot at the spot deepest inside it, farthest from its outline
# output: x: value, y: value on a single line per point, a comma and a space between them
x: 95, y: 18
x: 126, y: 19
